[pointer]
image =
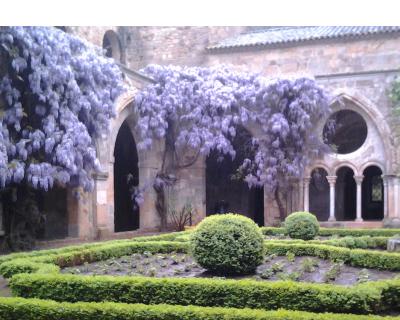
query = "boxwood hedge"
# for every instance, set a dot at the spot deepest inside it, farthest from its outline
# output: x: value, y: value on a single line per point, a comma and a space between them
x: 34, y: 309
x: 204, y: 292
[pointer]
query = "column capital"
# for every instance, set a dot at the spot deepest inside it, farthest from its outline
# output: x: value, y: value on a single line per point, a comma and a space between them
x: 306, y: 180
x: 358, y: 179
x: 331, y: 179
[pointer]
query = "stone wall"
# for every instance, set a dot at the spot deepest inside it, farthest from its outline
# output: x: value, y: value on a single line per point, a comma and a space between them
x: 362, y: 69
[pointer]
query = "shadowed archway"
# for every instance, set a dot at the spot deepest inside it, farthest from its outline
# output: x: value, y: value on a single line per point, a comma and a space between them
x: 224, y: 191
x: 319, y: 194
x: 345, y: 195
x: 372, y: 194
x: 126, y: 217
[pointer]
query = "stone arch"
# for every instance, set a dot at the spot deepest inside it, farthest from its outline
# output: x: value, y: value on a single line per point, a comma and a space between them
x: 349, y: 164
x: 371, y: 112
x: 372, y: 163
x: 317, y: 165
x: 112, y: 46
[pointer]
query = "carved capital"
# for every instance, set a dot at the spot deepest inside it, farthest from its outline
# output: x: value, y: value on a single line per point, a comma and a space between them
x: 331, y: 180
x: 306, y: 181
x: 358, y: 179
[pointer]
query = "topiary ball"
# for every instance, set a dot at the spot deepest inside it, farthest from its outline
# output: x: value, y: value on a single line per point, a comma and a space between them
x: 228, y: 244
x: 301, y: 225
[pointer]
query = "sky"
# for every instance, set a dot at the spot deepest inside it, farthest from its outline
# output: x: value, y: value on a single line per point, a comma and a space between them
x: 199, y: 12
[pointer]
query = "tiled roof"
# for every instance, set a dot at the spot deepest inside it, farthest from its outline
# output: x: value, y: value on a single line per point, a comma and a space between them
x: 272, y: 36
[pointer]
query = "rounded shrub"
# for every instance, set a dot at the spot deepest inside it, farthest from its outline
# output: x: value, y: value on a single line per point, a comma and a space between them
x: 227, y: 244
x: 301, y: 225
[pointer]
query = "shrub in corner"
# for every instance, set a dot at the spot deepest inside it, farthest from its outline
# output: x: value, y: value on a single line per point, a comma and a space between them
x: 302, y: 225
x: 227, y: 244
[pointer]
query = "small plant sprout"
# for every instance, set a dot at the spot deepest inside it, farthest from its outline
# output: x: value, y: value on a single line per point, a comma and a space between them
x: 277, y: 267
x: 308, y: 265
x: 267, y: 274
x: 290, y: 256
x: 363, y: 276
x: 333, y: 272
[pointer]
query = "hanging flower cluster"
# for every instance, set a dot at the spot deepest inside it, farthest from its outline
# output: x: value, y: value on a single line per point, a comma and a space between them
x: 207, y: 104
x: 57, y: 94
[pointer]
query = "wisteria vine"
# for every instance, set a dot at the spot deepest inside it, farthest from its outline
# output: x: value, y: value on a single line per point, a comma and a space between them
x: 57, y: 95
x: 199, y: 109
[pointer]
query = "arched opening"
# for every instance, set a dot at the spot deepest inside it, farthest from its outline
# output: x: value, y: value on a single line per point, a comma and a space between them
x: 319, y: 194
x: 112, y: 46
x: 345, y: 195
x: 54, y: 216
x: 225, y: 192
x: 126, y: 215
x: 372, y: 194
x: 349, y: 131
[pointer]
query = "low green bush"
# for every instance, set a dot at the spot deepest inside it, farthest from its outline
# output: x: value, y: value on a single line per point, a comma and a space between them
x: 301, y: 225
x: 355, y: 257
x: 363, y: 242
x: 76, y: 248
x: 341, y: 232
x: 203, y: 292
x: 34, y: 309
x: 227, y: 244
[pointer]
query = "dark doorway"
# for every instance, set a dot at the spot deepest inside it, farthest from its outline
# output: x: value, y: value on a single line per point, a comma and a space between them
x: 54, y: 215
x: 345, y: 195
x: 225, y: 192
x: 319, y: 194
x: 372, y: 194
x: 126, y: 217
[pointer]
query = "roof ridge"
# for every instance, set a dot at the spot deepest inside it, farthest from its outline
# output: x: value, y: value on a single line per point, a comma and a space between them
x: 295, y: 34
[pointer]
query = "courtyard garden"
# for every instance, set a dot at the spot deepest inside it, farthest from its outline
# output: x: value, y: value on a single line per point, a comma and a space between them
x: 225, y: 268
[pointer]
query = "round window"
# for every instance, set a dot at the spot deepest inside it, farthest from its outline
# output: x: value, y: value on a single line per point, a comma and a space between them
x: 345, y: 131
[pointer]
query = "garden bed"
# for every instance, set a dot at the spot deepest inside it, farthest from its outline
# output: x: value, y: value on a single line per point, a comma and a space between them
x: 307, y: 269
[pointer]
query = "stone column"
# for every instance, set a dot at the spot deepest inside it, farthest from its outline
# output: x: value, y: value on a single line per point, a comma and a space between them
x: 392, y: 205
x: 306, y: 184
x: 396, y: 213
x: 385, y: 196
x: 359, y: 180
x: 332, y: 185
x: 1, y: 219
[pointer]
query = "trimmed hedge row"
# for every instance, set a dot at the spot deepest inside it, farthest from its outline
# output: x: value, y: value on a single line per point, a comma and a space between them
x: 363, y: 242
x: 34, y: 309
x: 366, y: 298
x: 40, y: 253
x: 355, y: 257
x: 342, y: 232
x: 52, y: 262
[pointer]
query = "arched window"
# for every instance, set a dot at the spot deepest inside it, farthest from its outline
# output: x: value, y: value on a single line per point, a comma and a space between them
x: 112, y: 45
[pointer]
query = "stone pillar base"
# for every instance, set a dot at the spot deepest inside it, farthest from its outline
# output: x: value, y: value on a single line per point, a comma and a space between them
x: 391, y: 223
x: 359, y: 220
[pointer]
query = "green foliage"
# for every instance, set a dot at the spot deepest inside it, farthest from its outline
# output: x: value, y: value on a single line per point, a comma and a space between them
x: 333, y: 272
x: 302, y: 225
x: 355, y: 257
x: 52, y: 261
x: 308, y: 265
x: 290, y: 256
x: 227, y: 244
x: 341, y: 232
x: 204, y: 292
x: 33, y: 309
